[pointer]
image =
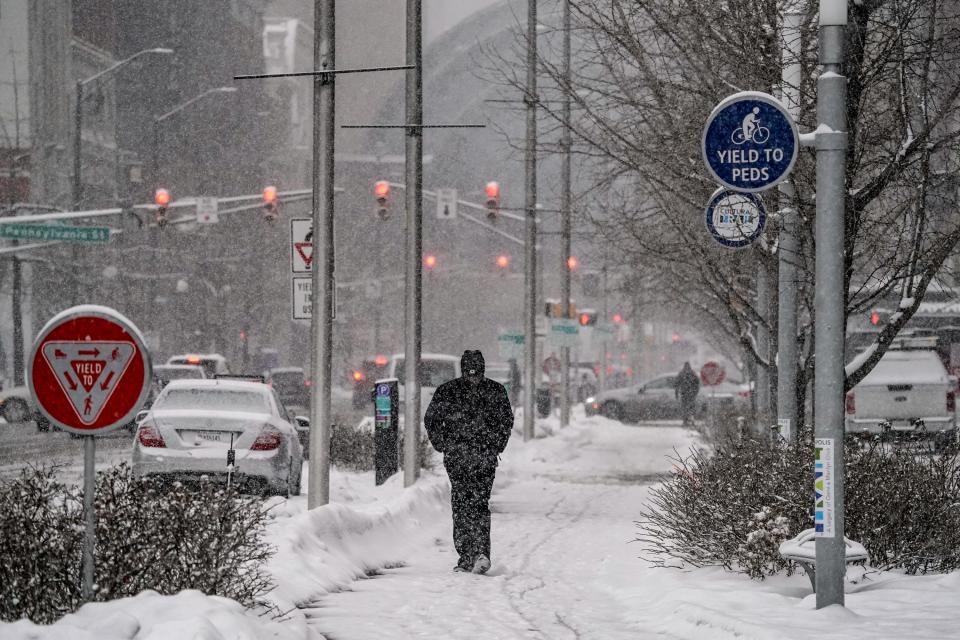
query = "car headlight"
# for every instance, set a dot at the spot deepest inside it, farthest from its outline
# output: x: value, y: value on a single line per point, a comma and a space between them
x: 591, y: 400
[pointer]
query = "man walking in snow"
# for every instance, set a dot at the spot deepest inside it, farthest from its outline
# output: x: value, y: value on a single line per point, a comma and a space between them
x: 686, y: 388
x: 469, y: 421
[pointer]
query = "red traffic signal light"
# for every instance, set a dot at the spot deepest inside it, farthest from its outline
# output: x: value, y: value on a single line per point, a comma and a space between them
x: 271, y: 210
x: 572, y: 263
x: 874, y: 318
x: 161, y: 198
x: 493, y: 199
x: 588, y: 318
x: 430, y: 261
x: 503, y: 261
x: 617, y: 318
x: 381, y: 193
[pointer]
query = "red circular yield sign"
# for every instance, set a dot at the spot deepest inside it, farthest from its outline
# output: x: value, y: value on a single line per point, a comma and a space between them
x: 89, y: 370
x: 712, y: 373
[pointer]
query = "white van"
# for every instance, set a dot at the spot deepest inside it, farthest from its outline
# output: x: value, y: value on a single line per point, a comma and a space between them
x: 435, y: 369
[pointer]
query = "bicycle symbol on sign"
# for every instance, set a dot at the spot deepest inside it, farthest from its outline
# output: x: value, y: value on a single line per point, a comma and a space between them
x: 750, y: 129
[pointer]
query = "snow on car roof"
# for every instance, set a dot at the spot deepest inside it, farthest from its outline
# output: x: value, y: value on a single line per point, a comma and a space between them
x: 432, y: 356
x: 176, y: 367
x: 215, y: 383
x: 907, y: 367
x: 285, y: 370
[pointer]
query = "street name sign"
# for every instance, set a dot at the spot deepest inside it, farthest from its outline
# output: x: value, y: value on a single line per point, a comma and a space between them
x: 207, y: 210
x: 89, y: 370
x: 510, y: 344
x: 563, y: 332
x: 750, y: 142
x: 735, y: 219
x: 301, y: 245
x: 62, y: 233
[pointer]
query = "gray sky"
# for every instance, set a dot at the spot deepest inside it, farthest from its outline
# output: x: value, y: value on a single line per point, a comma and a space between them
x: 440, y: 15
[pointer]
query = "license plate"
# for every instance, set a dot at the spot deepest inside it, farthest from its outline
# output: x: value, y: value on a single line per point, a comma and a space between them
x: 202, y: 437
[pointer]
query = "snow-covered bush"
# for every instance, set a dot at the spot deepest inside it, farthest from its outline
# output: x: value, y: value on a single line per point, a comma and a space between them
x: 150, y: 535
x: 733, y: 506
x: 730, y: 507
x: 352, y: 448
x: 41, y: 529
x: 168, y: 537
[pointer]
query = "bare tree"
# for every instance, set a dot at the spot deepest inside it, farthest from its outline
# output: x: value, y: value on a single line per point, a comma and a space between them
x: 649, y: 73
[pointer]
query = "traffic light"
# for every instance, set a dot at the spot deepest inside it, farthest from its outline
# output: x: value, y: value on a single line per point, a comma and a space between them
x: 617, y: 318
x: 874, y: 318
x: 572, y: 263
x: 381, y: 193
x: 503, y: 261
x: 588, y: 318
x: 430, y: 261
x: 493, y: 199
x: 554, y: 309
x: 271, y: 210
x: 161, y: 198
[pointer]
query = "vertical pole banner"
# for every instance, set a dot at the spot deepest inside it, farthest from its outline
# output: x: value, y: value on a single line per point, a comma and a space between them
x: 823, y: 487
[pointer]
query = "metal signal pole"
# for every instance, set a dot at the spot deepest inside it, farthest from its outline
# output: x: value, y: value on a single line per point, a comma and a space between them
x: 831, y: 142
x: 413, y: 302
x: 565, y: 144
x: 321, y: 324
x: 530, y: 204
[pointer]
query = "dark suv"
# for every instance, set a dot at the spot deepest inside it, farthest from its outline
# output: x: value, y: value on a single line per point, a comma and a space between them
x: 291, y: 386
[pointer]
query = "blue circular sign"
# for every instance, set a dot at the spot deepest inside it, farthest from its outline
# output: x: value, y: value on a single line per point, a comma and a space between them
x: 383, y: 389
x: 750, y: 142
x: 735, y: 219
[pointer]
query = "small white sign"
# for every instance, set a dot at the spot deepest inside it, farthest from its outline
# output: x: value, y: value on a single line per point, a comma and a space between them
x: 825, y: 507
x: 301, y: 245
x: 446, y: 203
x: 302, y: 300
x: 783, y: 426
x: 207, y: 208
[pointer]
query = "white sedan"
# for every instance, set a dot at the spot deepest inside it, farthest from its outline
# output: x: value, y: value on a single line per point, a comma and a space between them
x: 194, y: 425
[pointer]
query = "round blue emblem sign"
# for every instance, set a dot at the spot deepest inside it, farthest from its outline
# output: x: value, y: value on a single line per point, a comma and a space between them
x: 735, y: 219
x: 750, y: 142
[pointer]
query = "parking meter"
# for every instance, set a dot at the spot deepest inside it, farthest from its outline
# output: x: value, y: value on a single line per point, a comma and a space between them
x: 386, y: 428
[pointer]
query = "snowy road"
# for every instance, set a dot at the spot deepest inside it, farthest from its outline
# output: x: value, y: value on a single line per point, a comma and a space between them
x: 562, y: 525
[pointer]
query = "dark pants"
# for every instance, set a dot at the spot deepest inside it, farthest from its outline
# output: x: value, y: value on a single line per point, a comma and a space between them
x: 471, y: 481
x: 688, y: 408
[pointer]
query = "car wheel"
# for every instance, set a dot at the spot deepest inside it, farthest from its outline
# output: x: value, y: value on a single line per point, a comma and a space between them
x: 612, y: 410
x: 42, y: 423
x: 15, y: 410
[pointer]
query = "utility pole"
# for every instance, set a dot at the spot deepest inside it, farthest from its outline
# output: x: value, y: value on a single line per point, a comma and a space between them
x: 565, y: 144
x: 413, y: 301
x: 831, y: 144
x: 604, y: 345
x: 321, y: 326
x: 530, y: 204
x: 787, y: 253
x: 763, y: 387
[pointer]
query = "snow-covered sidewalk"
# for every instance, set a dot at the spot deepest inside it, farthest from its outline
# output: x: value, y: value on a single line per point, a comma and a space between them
x: 377, y: 563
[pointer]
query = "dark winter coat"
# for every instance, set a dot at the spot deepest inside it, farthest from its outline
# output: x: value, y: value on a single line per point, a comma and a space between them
x: 687, y: 385
x: 467, y: 418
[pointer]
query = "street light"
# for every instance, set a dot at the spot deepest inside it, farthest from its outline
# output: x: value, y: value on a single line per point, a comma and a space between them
x: 78, y: 118
x: 155, y: 152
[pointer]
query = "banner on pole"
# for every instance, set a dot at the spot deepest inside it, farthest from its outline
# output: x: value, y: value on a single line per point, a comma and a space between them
x: 823, y: 487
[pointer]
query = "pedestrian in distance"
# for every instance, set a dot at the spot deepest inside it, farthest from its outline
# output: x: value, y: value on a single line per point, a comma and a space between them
x: 469, y: 421
x: 685, y: 389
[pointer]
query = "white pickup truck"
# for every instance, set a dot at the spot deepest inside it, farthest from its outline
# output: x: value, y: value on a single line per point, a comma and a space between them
x: 908, y: 393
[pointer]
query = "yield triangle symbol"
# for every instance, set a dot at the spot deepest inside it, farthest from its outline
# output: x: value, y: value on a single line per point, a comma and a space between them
x: 88, y: 372
x: 305, y: 250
